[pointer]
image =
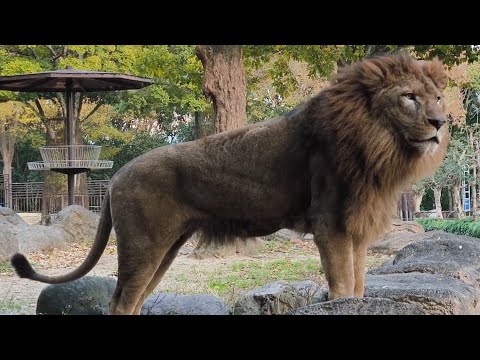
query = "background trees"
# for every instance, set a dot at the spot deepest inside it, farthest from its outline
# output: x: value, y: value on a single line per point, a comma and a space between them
x: 203, y: 89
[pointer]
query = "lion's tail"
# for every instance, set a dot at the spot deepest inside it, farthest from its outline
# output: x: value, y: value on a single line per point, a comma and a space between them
x: 24, y: 269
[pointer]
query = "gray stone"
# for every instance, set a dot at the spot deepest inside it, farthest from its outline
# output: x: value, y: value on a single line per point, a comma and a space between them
x: 276, y: 298
x: 39, y: 237
x: 175, y: 304
x: 359, y: 306
x: 73, y: 224
x: 79, y: 223
x: 456, y: 256
x: 8, y: 244
x: 392, y: 242
x: 434, y: 293
x: 89, y: 295
x: 9, y: 218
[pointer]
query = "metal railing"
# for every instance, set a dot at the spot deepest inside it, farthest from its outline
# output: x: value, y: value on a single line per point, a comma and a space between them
x: 28, y: 197
x: 70, y: 152
x: 5, y: 191
x: 70, y: 156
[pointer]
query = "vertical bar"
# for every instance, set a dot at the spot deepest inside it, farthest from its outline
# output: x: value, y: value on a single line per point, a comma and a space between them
x: 70, y: 139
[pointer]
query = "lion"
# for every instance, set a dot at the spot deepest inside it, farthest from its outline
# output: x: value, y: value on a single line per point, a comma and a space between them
x: 334, y: 166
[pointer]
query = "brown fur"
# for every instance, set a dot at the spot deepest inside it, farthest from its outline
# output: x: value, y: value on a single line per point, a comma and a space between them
x: 333, y: 166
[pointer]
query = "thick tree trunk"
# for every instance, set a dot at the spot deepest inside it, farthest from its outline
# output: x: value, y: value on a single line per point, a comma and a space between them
x: 437, y: 194
x: 417, y: 199
x: 7, y: 147
x: 224, y: 84
x: 457, y: 202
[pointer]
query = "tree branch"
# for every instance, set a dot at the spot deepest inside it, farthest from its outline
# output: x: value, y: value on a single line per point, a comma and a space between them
x: 100, y: 103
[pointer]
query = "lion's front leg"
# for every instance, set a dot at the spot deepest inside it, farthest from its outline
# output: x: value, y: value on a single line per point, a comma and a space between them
x: 336, y: 254
x: 360, y: 255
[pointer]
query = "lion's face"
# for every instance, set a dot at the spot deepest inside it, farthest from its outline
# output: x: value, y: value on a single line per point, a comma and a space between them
x: 416, y: 110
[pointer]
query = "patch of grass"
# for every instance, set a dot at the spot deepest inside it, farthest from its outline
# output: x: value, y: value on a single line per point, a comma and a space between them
x: 458, y: 226
x: 10, y: 307
x: 277, y: 246
x: 250, y: 274
x: 6, y: 268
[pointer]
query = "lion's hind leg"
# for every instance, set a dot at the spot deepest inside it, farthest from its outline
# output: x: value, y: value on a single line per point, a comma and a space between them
x: 137, y: 265
x: 162, y: 269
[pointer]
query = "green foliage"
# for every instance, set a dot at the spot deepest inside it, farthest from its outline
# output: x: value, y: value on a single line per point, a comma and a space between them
x: 459, y: 226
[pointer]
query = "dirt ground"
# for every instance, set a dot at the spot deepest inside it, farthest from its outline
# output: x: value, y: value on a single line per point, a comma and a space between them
x: 186, y: 275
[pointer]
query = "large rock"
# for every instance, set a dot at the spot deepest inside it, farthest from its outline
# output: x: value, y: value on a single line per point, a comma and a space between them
x: 276, y: 298
x: 39, y: 237
x: 72, y: 224
x: 79, y: 223
x: 434, y: 293
x: 8, y: 243
x: 358, y: 306
x: 175, y: 304
x: 456, y: 256
x: 402, y: 234
x: 89, y: 295
x: 392, y: 242
x: 9, y: 218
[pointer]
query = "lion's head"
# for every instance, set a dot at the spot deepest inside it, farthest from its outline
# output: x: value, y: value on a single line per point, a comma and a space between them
x: 402, y: 108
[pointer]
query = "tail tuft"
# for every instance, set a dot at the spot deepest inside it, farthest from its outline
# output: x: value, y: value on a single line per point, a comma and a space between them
x: 22, y: 266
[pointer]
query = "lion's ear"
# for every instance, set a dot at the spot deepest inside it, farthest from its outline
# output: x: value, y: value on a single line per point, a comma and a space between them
x: 434, y: 70
x: 371, y: 74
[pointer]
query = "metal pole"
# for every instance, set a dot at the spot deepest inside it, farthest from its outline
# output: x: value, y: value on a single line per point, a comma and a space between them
x: 70, y: 140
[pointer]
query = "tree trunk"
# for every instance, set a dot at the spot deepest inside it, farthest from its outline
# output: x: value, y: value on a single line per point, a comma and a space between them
x: 224, y: 84
x: 7, y: 147
x: 437, y: 193
x: 450, y: 199
x: 457, y: 202
x: 417, y: 199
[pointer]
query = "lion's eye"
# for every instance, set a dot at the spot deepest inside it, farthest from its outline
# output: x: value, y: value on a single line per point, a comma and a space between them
x: 439, y: 99
x: 410, y: 96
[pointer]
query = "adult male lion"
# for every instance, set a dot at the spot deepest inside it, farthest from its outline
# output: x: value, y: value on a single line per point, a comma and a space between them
x: 333, y: 166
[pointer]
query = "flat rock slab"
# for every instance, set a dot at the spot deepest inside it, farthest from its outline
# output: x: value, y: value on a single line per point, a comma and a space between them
x: 175, y: 304
x: 434, y: 293
x: 359, y: 306
x: 276, y: 298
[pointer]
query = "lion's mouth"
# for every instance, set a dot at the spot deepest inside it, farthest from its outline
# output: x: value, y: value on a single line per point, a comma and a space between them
x: 432, y: 139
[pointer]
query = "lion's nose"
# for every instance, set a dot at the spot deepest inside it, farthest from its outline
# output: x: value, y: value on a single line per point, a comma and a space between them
x: 437, y: 122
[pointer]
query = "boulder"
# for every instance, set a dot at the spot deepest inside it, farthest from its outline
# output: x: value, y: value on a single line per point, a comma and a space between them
x: 39, y: 237
x: 276, y: 298
x: 89, y: 295
x: 8, y: 243
x: 456, y: 256
x: 10, y: 218
x: 358, y: 306
x: 73, y: 224
x: 175, y: 304
x: 392, y: 242
x: 79, y: 223
x: 434, y: 293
